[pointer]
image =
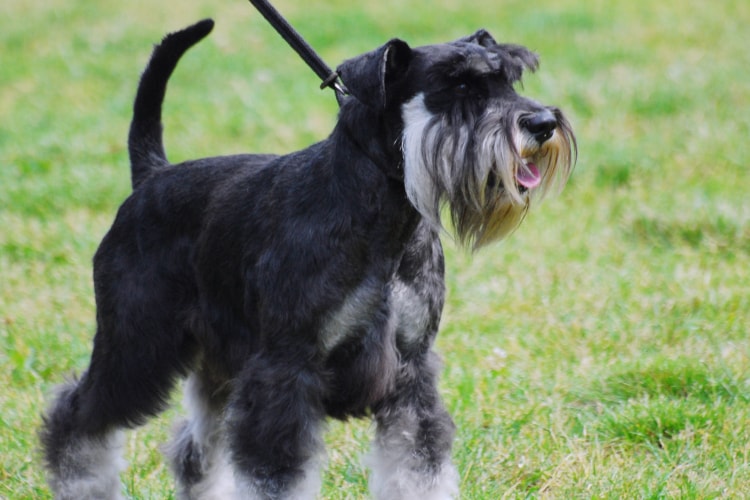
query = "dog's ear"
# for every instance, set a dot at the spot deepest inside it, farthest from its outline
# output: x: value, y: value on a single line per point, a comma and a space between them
x: 481, y: 37
x: 515, y: 58
x: 370, y: 77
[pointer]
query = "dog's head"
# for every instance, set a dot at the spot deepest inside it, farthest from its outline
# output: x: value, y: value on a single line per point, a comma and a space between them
x: 468, y: 139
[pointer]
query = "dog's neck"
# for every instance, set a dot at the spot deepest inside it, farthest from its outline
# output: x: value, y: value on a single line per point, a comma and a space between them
x: 379, y: 140
x: 363, y: 159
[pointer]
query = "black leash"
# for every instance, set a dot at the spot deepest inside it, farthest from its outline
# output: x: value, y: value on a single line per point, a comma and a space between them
x: 302, y: 48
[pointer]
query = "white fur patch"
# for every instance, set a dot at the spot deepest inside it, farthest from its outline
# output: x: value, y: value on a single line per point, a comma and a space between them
x: 219, y: 483
x: 356, y: 311
x: 306, y: 489
x: 418, y: 178
x: 91, y: 469
x: 410, y: 311
x: 309, y: 487
x: 206, y: 431
x: 397, y: 473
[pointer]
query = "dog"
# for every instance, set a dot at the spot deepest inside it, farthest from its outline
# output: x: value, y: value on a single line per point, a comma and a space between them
x: 290, y: 289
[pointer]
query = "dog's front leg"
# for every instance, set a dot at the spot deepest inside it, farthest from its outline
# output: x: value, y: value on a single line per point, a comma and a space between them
x: 275, y: 422
x: 411, y: 452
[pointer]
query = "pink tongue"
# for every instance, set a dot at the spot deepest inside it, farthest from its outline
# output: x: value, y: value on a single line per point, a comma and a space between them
x: 528, y: 176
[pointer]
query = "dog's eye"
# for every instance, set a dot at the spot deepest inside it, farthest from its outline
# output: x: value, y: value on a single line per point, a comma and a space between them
x: 461, y: 89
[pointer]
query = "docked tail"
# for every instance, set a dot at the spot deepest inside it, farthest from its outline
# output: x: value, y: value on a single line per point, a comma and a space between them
x: 145, y: 144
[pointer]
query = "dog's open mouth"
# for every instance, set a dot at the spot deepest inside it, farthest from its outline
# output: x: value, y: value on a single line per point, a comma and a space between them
x: 528, y: 176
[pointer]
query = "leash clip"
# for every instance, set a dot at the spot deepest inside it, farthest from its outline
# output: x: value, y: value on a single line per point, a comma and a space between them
x: 338, y: 86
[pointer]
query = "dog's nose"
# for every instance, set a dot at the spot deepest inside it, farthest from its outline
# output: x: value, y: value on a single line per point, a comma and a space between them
x: 541, y: 125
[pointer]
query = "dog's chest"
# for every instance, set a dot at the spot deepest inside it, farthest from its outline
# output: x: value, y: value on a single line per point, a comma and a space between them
x: 366, y: 338
x: 395, y: 313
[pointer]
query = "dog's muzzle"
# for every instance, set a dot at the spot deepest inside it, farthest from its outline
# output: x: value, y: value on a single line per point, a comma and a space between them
x: 540, y: 125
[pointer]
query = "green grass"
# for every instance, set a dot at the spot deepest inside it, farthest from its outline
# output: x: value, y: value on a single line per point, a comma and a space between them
x: 601, y: 352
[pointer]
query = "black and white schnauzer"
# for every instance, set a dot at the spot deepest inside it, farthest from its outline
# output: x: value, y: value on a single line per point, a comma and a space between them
x: 289, y: 289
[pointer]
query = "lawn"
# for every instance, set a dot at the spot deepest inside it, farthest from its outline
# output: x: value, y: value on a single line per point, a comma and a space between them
x: 602, y: 351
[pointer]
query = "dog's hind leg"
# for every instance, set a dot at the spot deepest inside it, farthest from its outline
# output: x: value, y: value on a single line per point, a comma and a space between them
x: 126, y: 382
x: 82, y: 464
x: 199, y: 451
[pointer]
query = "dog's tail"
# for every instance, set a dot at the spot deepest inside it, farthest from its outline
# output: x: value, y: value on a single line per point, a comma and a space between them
x: 145, y: 144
